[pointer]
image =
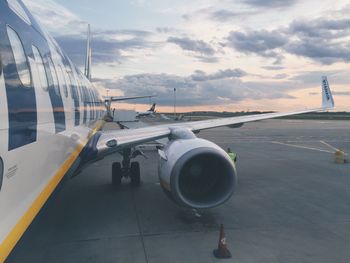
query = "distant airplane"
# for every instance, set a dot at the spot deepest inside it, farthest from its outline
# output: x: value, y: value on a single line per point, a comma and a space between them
x: 50, y: 128
x: 151, y: 111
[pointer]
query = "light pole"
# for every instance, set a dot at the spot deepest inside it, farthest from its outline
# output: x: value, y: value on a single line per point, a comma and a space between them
x: 174, y: 103
x: 109, y: 104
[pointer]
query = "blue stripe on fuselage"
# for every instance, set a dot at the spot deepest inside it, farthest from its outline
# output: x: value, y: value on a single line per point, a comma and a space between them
x: 21, y: 101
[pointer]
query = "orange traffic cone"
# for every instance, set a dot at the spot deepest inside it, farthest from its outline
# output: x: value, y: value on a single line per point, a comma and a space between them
x: 222, y: 251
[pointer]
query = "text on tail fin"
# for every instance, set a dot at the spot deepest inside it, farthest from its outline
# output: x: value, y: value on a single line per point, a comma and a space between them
x: 327, y: 98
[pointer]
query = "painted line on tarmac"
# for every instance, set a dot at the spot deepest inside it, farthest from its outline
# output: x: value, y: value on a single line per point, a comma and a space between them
x: 332, y: 147
x: 302, y: 147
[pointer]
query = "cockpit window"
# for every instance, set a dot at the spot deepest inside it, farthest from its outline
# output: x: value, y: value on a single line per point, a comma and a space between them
x: 41, y: 68
x: 20, y: 57
x: 18, y: 9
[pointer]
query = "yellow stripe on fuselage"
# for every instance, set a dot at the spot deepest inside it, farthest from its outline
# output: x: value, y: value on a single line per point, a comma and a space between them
x: 16, y: 233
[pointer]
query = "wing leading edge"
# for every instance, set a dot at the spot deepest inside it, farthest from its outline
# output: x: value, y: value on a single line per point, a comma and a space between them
x: 111, y: 141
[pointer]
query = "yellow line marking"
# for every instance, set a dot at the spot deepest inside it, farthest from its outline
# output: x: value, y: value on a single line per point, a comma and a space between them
x: 302, y: 147
x: 332, y: 147
x: 16, y: 233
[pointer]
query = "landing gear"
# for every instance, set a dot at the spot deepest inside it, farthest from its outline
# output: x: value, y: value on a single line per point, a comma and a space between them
x: 127, y: 169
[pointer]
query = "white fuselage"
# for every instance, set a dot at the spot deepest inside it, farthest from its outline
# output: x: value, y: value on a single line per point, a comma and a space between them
x: 39, y: 142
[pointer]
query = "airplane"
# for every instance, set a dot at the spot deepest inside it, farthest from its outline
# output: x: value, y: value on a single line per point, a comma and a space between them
x: 50, y: 128
x: 149, y: 112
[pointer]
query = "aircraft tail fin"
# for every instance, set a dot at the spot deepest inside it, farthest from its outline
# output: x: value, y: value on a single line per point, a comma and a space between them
x: 153, y: 108
x: 327, y: 97
x: 88, y: 55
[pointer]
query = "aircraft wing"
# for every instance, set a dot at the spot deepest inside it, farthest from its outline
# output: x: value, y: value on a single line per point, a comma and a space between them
x: 111, y: 141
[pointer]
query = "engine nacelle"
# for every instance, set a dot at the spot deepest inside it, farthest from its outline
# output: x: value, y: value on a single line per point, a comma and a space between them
x: 196, y: 173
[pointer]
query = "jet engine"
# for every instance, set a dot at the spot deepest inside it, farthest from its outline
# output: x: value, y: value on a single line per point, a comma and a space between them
x: 195, y: 172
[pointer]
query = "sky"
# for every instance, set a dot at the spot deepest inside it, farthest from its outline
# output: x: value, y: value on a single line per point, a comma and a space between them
x: 220, y: 55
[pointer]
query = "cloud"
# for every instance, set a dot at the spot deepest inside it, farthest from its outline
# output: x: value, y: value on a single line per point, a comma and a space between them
x: 199, y: 75
x: 270, y: 3
x: 264, y: 43
x: 313, y: 78
x: 281, y: 76
x: 322, y: 51
x: 54, y: 17
x: 199, y: 49
x: 107, y: 46
x: 225, y: 15
x: 321, y: 28
x: 274, y: 67
x: 166, y: 30
x: 126, y: 33
x: 219, y: 13
x: 324, y: 40
x: 341, y: 93
x: 256, y: 41
x: 321, y: 40
x: 197, y: 46
x: 226, y: 11
x: 70, y: 32
x: 200, y: 88
x: 160, y: 84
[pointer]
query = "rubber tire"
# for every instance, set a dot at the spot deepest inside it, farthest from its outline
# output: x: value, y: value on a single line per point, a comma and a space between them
x: 116, y: 174
x: 135, y: 174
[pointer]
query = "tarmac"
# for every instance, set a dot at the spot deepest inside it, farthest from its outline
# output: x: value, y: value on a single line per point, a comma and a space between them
x: 292, y: 204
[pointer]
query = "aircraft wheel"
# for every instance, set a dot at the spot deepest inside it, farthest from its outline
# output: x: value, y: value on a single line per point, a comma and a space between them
x: 135, y: 174
x: 116, y: 174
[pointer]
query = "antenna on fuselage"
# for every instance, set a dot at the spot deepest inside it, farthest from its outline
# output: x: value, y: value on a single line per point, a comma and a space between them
x: 88, y: 55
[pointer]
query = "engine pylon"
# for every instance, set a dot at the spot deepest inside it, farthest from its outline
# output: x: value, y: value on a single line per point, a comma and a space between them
x: 222, y: 250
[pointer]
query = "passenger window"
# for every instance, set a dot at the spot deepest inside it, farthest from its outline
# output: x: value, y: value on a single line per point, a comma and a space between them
x: 73, y: 86
x: 68, y: 82
x: 84, y: 94
x: 41, y: 68
x: 80, y: 90
x: 65, y: 89
x: 18, y: 9
x: 76, y: 89
x: 54, y: 77
x: 19, y: 56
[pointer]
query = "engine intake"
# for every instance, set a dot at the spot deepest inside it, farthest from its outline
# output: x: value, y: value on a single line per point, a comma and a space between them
x: 197, y: 173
